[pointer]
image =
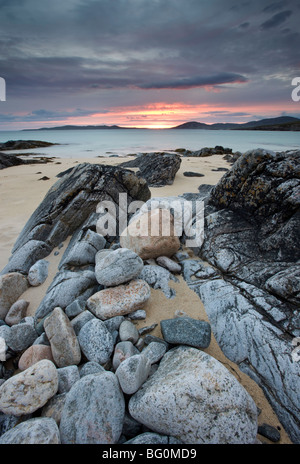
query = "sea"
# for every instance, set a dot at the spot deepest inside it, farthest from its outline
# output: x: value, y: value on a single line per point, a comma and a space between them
x: 122, y: 142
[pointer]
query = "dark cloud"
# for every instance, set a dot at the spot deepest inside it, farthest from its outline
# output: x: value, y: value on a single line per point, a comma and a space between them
x: 108, y: 53
x: 197, y: 81
x: 275, y: 6
x: 276, y: 20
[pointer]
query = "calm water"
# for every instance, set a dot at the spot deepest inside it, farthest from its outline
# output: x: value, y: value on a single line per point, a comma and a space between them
x: 92, y: 143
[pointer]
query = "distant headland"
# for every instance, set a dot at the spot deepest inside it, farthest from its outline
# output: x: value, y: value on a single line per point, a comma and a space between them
x: 281, y: 123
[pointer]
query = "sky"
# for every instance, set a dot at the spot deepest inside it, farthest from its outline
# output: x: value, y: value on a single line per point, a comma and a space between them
x: 147, y: 63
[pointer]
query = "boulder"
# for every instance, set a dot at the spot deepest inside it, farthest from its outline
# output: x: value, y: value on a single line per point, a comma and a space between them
x: 118, y: 267
x: 34, y: 354
x: 12, y: 286
x: 195, y: 399
x: 133, y: 372
x: 38, y: 273
x: 96, y: 342
x: 119, y: 300
x: 158, y: 169
x: 66, y: 287
x: 26, y: 392
x: 63, y: 341
x: 16, y: 312
x: 94, y: 411
x: 151, y: 235
x: 36, y: 431
x: 186, y: 331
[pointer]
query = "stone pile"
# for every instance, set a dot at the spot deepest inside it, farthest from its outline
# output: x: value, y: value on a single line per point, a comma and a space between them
x: 86, y: 375
x: 80, y: 372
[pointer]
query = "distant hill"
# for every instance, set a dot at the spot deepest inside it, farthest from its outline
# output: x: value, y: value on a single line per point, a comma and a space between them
x: 280, y: 123
x: 73, y: 127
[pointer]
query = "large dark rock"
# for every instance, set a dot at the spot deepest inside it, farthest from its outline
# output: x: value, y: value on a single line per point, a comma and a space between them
x: 157, y: 168
x: 71, y: 204
x: 249, y: 279
x: 24, y: 144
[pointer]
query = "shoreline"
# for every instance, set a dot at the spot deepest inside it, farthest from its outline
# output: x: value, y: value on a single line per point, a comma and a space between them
x: 22, y: 190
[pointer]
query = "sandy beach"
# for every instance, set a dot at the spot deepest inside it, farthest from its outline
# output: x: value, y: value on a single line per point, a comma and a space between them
x: 21, y: 191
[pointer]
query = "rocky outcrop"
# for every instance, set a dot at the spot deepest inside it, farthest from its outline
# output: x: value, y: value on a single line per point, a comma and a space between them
x: 157, y: 168
x: 248, y: 274
x: 70, y: 205
x: 24, y: 144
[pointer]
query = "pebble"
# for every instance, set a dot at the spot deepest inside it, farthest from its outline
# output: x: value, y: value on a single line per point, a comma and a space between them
x: 26, y: 392
x: 91, y: 367
x: 169, y: 264
x: 63, y: 341
x: 154, y: 351
x: 96, y: 341
x: 79, y: 321
x: 53, y: 408
x: 16, y: 312
x: 128, y: 332
x: 67, y: 376
x: 12, y: 286
x: 122, y: 351
x: 133, y: 372
x: 75, y: 308
x: 141, y: 239
x: 270, y: 432
x: 138, y: 315
x: 120, y: 300
x: 21, y: 336
x: 38, y: 273
x: 34, y: 354
x: 186, y: 331
x: 149, y: 438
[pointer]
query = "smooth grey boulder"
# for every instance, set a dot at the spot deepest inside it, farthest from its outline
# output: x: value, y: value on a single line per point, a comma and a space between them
x: 38, y: 273
x: 66, y: 287
x: 96, y: 341
x: 194, y: 398
x: 186, y: 331
x: 36, y: 431
x: 118, y: 267
x: 94, y: 411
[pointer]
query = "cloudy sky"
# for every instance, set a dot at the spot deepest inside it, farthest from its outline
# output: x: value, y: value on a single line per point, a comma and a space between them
x: 147, y: 63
